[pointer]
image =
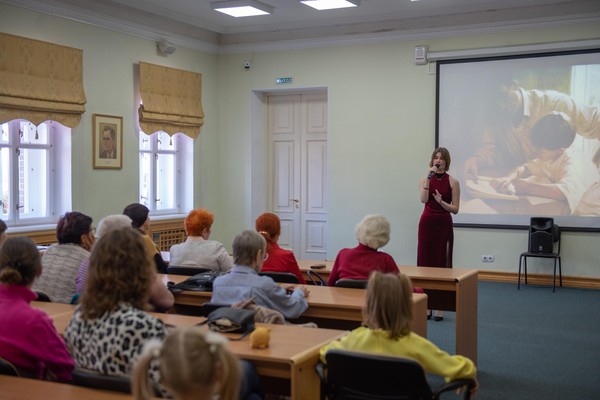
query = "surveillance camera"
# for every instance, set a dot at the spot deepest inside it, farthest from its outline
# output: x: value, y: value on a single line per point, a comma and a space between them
x: 247, y: 65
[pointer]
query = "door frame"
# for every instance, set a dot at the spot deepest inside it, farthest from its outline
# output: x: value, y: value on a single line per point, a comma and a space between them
x: 258, y: 141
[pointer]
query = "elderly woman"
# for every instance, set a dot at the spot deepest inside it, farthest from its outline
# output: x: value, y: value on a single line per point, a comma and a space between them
x: 198, y: 251
x: 278, y: 259
x: 372, y: 233
x: 243, y: 281
x: 141, y: 221
x: 61, y: 261
x: 161, y: 299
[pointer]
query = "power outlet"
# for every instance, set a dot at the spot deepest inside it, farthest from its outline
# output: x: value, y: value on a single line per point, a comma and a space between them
x: 487, y: 258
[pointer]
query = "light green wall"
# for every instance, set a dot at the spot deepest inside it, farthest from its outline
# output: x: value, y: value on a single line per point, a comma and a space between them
x: 381, y: 132
x: 108, y: 70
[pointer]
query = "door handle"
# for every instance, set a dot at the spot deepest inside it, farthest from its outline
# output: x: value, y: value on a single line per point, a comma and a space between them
x: 297, y: 202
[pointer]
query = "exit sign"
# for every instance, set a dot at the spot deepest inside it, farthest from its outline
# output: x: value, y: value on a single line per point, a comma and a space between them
x: 280, y: 81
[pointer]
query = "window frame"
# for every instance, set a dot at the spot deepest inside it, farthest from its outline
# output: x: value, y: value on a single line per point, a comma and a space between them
x: 57, y: 177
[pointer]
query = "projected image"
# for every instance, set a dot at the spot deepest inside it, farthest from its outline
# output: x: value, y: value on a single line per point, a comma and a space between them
x: 525, y: 137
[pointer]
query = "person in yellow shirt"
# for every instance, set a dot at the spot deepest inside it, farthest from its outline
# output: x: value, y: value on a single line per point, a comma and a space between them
x: 387, y: 316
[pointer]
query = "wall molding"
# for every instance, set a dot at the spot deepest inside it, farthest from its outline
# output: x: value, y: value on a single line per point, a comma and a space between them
x: 539, y: 279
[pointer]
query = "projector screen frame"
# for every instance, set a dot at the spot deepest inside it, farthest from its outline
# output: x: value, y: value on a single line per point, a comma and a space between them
x: 442, y: 136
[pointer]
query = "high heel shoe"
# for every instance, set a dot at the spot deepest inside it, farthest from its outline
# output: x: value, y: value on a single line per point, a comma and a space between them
x: 429, y: 313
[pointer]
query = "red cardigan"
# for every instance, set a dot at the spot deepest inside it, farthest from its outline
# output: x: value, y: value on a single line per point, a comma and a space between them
x: 282, y: 260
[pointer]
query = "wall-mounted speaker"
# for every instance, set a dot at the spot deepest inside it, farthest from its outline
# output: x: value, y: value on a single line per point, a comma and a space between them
x: 165, y: 47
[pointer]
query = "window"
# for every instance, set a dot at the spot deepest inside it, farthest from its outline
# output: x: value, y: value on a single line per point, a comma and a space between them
x: 165, y: 178
x: 34, y: 190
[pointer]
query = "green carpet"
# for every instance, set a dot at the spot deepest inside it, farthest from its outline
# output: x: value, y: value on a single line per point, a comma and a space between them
x: 533, y: 344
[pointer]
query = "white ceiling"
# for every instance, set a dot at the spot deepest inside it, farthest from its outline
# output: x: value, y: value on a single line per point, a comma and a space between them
x: 194, y: 21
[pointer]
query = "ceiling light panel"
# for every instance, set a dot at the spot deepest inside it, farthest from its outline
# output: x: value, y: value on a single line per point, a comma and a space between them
x: 330, y: 4
x: 244, y: 8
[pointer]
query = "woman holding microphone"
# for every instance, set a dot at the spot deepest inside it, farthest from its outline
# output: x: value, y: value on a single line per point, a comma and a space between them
x: 441, y: 195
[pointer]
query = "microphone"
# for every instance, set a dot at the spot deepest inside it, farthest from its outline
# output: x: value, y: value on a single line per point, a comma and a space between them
x: 437, y: 166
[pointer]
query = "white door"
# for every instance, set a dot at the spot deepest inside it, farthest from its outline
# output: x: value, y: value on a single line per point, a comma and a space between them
x: 297, y: 164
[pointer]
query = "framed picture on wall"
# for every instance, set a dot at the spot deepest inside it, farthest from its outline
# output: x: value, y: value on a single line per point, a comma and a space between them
x: 107, y: 142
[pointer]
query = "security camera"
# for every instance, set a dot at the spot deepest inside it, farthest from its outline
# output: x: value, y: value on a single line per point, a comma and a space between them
x: 247, y: 65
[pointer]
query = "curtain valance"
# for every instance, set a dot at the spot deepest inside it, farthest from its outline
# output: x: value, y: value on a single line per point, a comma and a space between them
x: 171, y: 100
x: 40, y: 81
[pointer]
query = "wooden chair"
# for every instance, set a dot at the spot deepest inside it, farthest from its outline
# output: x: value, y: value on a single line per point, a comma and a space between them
x: 352, y: 375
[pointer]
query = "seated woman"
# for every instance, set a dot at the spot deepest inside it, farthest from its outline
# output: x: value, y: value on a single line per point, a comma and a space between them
x: 161, y: 299
x: 61, y: 261
x: 141, y: 221
x: 193, y: 365
x: 109, y: 327
x: 243, y: 281
x: 387, y: 315
x: 372, y: 233
x: 197, y: 250
x: 278, y: 259
x: 28, y: 338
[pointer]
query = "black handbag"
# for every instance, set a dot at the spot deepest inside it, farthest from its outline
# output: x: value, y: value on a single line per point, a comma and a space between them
x: 201, y: 282
x: 231, y: 320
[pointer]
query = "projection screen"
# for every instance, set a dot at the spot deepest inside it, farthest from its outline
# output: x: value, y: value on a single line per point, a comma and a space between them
x: 524, y: 136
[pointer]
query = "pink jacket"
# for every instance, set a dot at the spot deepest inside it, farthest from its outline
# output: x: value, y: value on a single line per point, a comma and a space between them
x: 28, y: 338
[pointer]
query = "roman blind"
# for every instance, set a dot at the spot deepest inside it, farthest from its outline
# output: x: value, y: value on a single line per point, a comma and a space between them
x: 40, y: 81
x: 171, y: 100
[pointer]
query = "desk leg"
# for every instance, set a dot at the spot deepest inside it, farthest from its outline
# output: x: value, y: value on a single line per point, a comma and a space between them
x: 419, y: 322
x: 305, y: 383
x: 466, y: 317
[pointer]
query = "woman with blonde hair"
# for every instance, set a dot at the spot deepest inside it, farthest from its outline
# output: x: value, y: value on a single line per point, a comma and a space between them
x: 387, y: 316
x: 109, y: 327
x: 278, y: 259
x: 193, y: 365
x: 197, y: 250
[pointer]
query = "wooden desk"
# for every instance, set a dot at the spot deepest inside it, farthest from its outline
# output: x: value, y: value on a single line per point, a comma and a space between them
x: 331, y: 307
x: 449, y: 289
x: 13, y: 388
x: 292, y: 354
x: 452, y: 289
x: 53, y: 309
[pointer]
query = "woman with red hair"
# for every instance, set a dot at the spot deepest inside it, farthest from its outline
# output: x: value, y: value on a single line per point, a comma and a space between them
x: 198, y: 251
x: 278, y: 259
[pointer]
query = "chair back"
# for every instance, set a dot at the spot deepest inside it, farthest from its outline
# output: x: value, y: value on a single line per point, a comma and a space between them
x: 93, y: 379
x: 42, y: 296
x: 281, y: 277
x: 185, y: 270
x: 352, y: 283
x: 354, y: 375
x: 316, y: 278
x: 7, y: 368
